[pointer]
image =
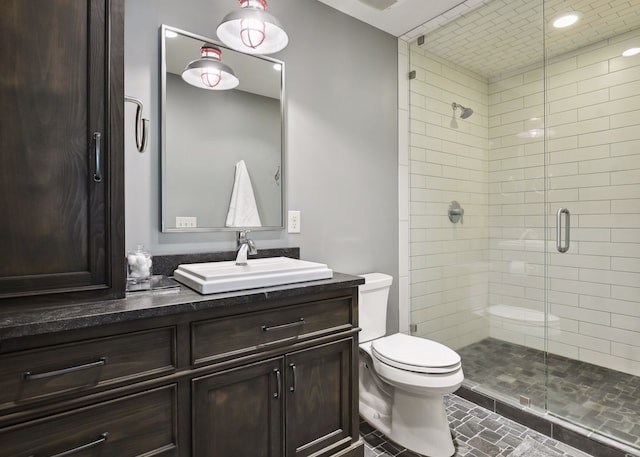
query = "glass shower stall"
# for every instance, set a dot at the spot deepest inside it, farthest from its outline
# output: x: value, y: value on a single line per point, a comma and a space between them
x: 525, y: 203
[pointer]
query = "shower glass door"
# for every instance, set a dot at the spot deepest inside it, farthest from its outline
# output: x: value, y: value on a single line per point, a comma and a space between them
x: 478, y: 272
x: 593, y: 195
x: 525, y: 214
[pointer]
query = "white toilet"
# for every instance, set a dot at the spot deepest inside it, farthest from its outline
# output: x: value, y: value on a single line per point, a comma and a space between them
x: 403, y: 378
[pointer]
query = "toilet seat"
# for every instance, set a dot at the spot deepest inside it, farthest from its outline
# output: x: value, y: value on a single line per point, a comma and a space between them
x: 414, y: 354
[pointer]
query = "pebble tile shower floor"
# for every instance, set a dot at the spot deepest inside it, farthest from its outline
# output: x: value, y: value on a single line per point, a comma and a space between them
x: 590, y: 395
x: 477, y: 432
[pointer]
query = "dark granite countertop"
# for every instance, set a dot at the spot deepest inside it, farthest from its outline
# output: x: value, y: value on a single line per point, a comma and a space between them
x: 149, y: 304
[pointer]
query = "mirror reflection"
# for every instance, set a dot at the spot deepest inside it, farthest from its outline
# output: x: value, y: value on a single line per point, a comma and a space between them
x: 222, y: 150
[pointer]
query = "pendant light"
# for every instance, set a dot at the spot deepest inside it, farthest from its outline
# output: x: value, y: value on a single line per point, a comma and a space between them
x: 208, y: 72
x: 252, y: 30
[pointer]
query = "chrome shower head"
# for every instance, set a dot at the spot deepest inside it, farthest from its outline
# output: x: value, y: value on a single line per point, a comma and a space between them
x: 464, y: 112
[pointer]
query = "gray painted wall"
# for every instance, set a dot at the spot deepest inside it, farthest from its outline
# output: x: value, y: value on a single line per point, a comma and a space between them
x: 342, y: 135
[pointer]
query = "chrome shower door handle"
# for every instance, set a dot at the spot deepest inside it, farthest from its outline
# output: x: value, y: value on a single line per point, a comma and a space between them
x: 567, y: 230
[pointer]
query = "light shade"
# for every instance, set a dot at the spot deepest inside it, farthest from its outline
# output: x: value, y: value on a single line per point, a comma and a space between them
x: 252, y: 30
x: 208, y: 72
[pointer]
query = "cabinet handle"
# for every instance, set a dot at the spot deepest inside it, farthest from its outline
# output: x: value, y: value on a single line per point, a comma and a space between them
x: 75, y: 450
x: 283, y: 326
x: 278, y: 381
x: 28, y: 376
x: 293, y: 384
x: 97, y: 144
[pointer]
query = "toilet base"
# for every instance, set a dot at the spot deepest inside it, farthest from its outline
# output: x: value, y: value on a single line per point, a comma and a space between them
x: 418, y: 431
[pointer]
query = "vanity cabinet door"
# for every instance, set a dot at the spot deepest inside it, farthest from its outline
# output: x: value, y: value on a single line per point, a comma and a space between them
x: 61, y: 164
x: 239, y: 412
x: 320, y: 392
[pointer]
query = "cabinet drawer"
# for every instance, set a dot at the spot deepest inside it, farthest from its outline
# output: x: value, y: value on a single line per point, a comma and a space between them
x: 138, y: 424
x: 36, y: 374
x: 217, y: 339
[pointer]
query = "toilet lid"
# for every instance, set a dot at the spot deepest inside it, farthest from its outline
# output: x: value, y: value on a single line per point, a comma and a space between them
x: 415, y: 354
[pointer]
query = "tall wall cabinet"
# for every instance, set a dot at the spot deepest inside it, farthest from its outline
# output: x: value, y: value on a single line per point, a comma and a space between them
x: 61, y: 149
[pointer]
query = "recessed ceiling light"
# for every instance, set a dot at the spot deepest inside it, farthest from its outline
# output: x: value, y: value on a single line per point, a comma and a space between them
x: 170, y: 34
x: 277, y: 67
x: 565, y: 20
x: 631, y: 52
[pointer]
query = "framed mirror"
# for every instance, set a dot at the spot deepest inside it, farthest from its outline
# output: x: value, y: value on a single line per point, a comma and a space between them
x: 220, y: 146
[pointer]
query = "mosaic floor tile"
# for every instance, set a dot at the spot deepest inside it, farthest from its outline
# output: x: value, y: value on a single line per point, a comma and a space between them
x: 476, y: 432
x: 595, y: 397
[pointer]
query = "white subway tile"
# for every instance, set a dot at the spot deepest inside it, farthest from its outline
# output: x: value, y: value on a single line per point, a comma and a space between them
x: 608, y: 332
x: 629, y: 308
x: 625, y: 235
x: 625, y: 177
x: 563, y: 349
x: 627, y: 323
x: 563, y: 92
x: 579, y: 101
x: 625, y: 264
x: 593, y: 180
x: 563, y: 285
x: 629, y: 103
x: 562, y: 66
x: 579, y: 260
x: 623, y: 90
x: 607, y: 80
x: 595, y: 71
x: 610, y: 361
x: 626, y: 293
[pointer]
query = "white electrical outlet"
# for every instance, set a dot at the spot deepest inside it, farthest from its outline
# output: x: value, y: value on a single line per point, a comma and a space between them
x: 186, y: 222
x: 293, y: 223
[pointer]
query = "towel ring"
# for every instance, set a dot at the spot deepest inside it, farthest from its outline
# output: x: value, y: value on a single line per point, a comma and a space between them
x: 142, y: 125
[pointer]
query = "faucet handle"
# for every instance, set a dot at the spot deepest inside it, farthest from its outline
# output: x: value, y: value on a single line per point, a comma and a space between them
x: 242, y: 237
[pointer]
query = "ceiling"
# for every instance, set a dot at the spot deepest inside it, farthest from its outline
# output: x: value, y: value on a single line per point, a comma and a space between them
x: 493, y: 37
x: 399, y: 18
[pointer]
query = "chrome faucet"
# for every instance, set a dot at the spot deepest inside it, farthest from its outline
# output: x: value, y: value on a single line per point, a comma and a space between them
x: 245, y: 246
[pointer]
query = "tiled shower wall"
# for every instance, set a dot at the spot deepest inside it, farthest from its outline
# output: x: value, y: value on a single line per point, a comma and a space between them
x: 594, y: 171
x: 493, y: 164
x: 448, y: 161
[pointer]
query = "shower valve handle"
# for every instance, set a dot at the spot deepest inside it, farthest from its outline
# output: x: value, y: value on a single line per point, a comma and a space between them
x: 456, y: 212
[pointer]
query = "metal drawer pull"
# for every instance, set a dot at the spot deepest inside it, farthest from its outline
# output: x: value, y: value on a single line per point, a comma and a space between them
x: 97, y: 144
x: 293, y: 385
x: 283, y: 326
x: 28, y: 376
x: 75, y: 450
x: 567, y: 230
x: 279, y: 392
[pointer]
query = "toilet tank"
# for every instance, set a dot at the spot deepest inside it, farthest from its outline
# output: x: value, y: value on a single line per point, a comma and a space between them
x: 372, y: 305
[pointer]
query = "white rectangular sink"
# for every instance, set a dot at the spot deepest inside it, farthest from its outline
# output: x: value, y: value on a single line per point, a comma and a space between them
x: 215, y: 277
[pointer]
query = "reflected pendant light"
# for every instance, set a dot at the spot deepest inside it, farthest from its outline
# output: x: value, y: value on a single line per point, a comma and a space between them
x: 208, y: 72
x: 252, y: 30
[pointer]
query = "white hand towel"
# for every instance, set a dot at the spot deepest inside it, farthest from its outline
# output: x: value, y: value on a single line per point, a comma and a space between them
x: 243, y: 211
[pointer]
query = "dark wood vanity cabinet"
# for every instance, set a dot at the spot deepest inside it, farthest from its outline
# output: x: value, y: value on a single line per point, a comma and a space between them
x: 61, y: 149
x: 132, y: 425
x: 319, y: 399
x: 274, y: 377
x: 296, y: 405
x: 240, y: 411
